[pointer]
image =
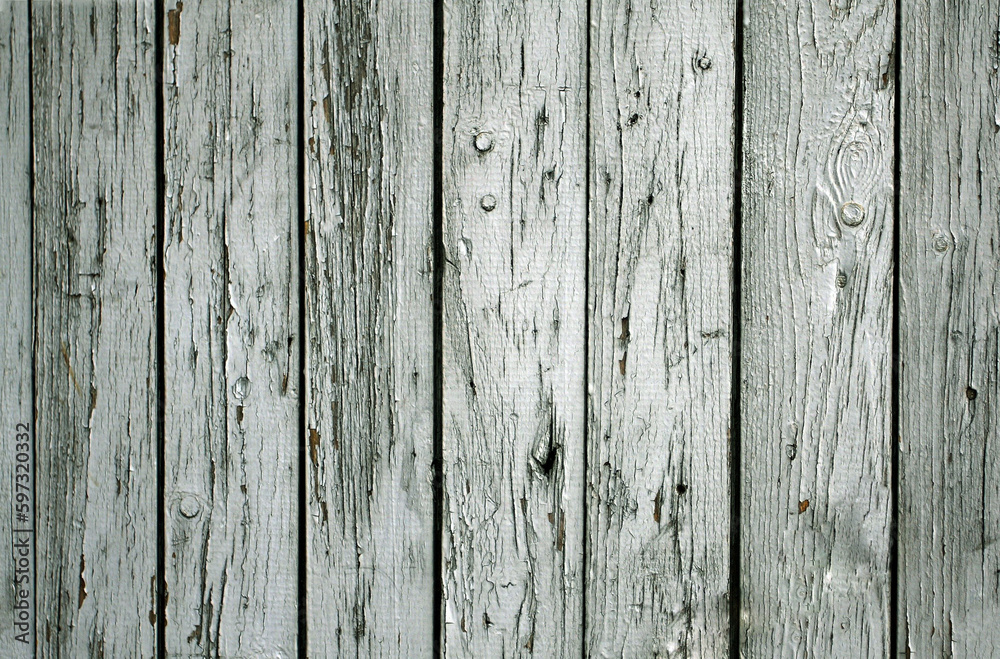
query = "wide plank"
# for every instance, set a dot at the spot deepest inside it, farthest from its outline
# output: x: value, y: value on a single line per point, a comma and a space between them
x: 514, y: 231
x: 231, y: 328
x: 369, y: 322
x: 94, y: 119
x: 817, y: 325
x: 661, y: 250
x: 949, y: 331
x: 16, y: 403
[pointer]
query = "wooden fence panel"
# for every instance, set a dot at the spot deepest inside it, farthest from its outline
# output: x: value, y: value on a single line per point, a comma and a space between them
x: 514, y: 205
x: 94, y: 123
x: 501, y: 233
x: 949, y: 324
x: 231, y: 328
x: 661, y: 249
x: 816, y: 337
x: 369, y: 321
x: 16, y: 402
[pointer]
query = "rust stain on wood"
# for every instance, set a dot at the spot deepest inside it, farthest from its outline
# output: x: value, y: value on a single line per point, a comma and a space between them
x: 174, y: 23
x: 313, y: 447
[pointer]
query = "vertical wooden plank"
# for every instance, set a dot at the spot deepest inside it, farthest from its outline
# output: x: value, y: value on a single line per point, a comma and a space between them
x: 369, y: 322
x: 95, y: 342
x: 817, y: 310
x: 661, y: 341
x: 231, y: 300
x: 16, y: 404
x: 949, y: 330
x: 514, y: 313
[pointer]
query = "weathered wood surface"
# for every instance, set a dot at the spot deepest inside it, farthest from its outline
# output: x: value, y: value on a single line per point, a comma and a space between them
x: 949, y: 325
x: 16, y: 404
x: 514, y: 225
x: 94, y: 123
x: 662, y: 128
x: 369, y: 320
x: 586, y: 354
x: 817, y: 315
x: 231, y: 330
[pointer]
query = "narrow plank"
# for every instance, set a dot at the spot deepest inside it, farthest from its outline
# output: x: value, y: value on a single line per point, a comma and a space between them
x: 817, y: 314
x: 661, y: 235
x: 369, y: 323
x: 231, y: 332
x: 514, y: 314
x: 16, y: 404
x: 95, y: 322
x: 949, y: 331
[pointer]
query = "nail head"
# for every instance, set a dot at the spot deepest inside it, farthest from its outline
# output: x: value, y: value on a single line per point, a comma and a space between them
x: 852, y: 214
x: 484, y: 142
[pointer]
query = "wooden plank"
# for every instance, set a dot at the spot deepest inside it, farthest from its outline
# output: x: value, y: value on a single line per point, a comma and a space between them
x: 817, y: 316
x: 16, y: 404
x: 514, y: 199
x: 369, y: 85
x: 232, y: 330
x: 949, y: 330
x: 661, y: 340
x: 95, y: 343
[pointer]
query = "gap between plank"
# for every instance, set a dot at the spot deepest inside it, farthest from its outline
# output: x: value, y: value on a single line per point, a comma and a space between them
x: 161, y: 371
x: 34, y: 324
x: 586, y: 344
x: 303, y: 621
x: 894, y: 385
x: 437, y: 210
x: 735, y: 453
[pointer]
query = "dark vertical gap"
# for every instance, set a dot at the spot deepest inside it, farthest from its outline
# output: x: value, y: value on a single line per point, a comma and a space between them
x: 438, y: 235
x: 34, y: 324
x: 300, y: 232
x: 161, y: 373
x: 894, y: 413
x: 735, y: 423
x: 586, y: 343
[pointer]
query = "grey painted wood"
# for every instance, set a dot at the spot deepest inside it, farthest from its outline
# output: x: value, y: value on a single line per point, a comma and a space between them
x: 949, y: 325
x: 514, y: 314
x: 16, y: 404
x: 369, y: 322
x: 231, y: 328
x: 662, y: 126
x: 95, y: 342
x: 817, y: 314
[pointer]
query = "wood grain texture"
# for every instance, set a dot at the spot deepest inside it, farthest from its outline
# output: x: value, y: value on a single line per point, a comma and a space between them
x: 661, y: 340
x: 95, y: 342
x: 369, y: 323
x: 513, y: 304
x: 231, y: 329
x: 817, y: 317
x: 16, y: 404
x: 949, y: 329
